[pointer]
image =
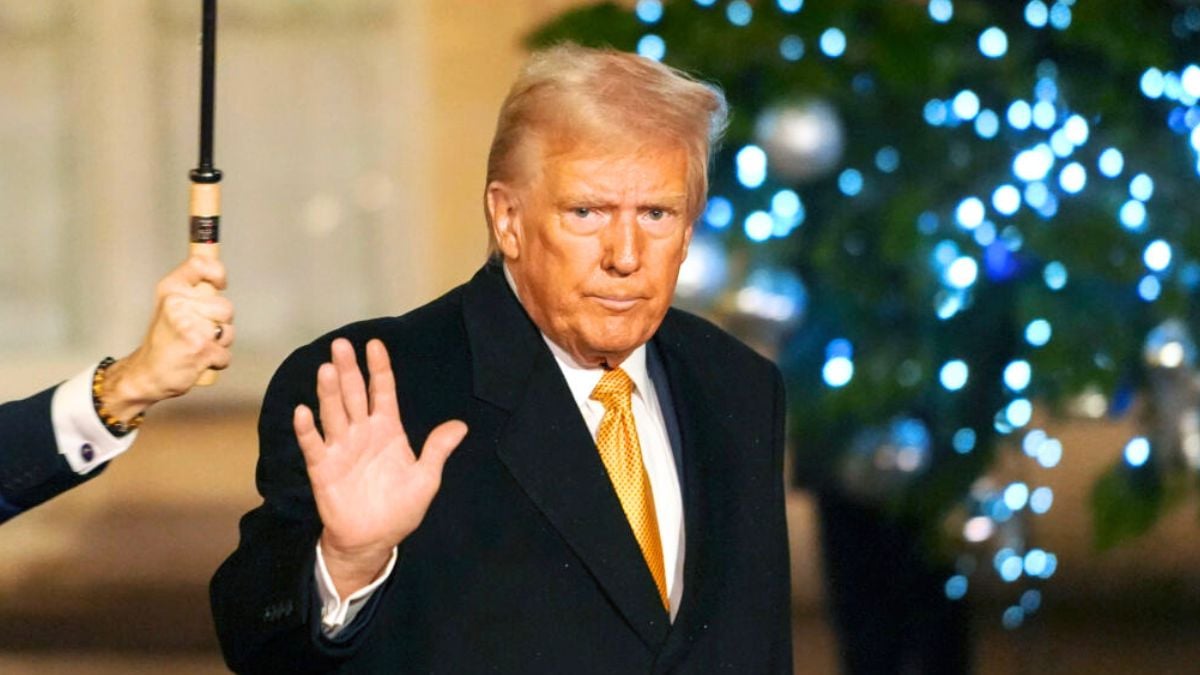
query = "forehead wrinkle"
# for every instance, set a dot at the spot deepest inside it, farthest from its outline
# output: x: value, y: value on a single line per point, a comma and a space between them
x: 600, y: 179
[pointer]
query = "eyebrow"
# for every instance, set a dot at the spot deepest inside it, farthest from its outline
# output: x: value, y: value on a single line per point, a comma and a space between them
x: 672, y: 200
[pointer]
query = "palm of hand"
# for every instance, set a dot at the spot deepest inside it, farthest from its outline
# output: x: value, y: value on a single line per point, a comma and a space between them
x: 373, y: 489
x: 370, y: 488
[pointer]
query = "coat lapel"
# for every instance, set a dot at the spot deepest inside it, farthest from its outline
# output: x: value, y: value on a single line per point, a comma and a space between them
x: 706, y: 452
x: 547, y: 448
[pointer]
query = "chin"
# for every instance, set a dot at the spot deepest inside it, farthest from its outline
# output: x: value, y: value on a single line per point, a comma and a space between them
x: 613, y: 346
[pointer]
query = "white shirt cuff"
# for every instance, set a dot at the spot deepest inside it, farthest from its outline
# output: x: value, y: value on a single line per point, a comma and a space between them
x: 82, y: 438
x: 337, y: 613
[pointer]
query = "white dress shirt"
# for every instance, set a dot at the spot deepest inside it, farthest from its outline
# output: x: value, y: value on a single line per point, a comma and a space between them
x: 657, y: 456
x: 82, y: 438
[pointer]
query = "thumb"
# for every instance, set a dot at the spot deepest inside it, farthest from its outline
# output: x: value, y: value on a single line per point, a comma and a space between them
x: 441, y: 442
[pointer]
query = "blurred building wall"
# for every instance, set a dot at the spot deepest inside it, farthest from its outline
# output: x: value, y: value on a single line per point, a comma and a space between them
x: 352, y: 134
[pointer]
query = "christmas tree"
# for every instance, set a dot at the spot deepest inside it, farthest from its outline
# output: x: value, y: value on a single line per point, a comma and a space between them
x: 971, y: 209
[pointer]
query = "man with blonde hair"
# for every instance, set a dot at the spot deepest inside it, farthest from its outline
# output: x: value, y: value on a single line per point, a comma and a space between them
x: 617, y: 504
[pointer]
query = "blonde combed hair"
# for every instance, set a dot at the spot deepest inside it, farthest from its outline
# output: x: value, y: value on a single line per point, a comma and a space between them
x: 572, y: 94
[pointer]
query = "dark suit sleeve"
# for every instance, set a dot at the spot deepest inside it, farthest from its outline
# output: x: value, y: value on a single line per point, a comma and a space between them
x: 31, y: 468
x: 263, y: 597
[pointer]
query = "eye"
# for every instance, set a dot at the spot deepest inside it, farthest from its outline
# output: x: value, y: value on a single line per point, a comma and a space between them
x: 656, y: 214
x: 581, y: 212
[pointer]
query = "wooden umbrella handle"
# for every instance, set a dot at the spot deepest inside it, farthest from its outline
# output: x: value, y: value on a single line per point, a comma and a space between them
x: 205, y: 210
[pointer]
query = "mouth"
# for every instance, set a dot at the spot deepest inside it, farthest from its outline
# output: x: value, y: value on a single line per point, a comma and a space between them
x: 616, y: 303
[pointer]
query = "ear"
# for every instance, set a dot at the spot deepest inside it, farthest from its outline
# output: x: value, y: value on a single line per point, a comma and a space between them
x: 687, y: 238
x: 504, y: 215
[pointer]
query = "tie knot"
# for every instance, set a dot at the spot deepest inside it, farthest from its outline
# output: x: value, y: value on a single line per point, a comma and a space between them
x: 613, y: 389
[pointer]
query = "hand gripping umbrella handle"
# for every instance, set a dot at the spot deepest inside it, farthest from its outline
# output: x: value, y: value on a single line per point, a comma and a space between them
x: 205, y: 200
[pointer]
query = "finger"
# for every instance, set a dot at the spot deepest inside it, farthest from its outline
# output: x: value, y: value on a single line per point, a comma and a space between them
x: 210, y: 309
x: 383, y: 381
x: 225, y: 341
x: 354, y: 390
x: 200, y: 269
x: 203, y: 324
x: 311, y: 443
x: 441, y: 442
x: 213, y: 271
x: 219, y: 353
x: 333, y: 411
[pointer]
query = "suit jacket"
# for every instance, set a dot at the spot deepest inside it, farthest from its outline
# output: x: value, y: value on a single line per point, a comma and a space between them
x: 31, y: 468
x: 525, y: 562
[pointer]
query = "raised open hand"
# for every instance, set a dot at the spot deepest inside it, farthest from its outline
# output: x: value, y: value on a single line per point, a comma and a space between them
x: 371, y: 489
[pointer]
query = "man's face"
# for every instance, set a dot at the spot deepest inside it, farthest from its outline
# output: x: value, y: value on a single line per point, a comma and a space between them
x: 594, y: 240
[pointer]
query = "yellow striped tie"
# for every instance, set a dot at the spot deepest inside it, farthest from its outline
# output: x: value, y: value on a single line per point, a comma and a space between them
x: 617, y: 441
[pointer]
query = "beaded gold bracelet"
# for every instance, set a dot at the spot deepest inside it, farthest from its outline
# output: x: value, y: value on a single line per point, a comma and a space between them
x: 115, y: 426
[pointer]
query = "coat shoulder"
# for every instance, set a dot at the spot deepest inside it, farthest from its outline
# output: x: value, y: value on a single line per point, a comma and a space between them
x: 707, y: 343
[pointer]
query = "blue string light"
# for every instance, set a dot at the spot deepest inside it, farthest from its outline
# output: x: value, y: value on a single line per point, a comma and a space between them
x: 954, y: 375
x: 833, y: 42
x: 1019, y: 115
x: 965, y: 105
x: 964, y: 441
x: 1042, y: 498
x: 1037, y: 14
x: 1055, y: 275
x: 887, y: 159
x: 1152, y: 83
x: 962, y: 273
x: 1017, y: 375
x: 993, y: 43
x: 652, y: 46
x: 941, y: 11
x: 1141, y: 187
x: 987, y: 124
x: 970, y: 213
x: 1111, y: 162
x: 838, y: 371
x: 787, y: 204
x: 1044, y: 114
x: 1006, y: 199
x: 956, y: 587
x: 1133, y: 215
x: 791, y: 48
x: 1038, y: 332
x: 1137, y: 451
x: 1076, y: 130
x: 936, y: 112
x: 719, y: 212
x: 759, y: 226
x: 1050, y: 454
x: 1016, y: 496
x: 1018, y: 413
x: 649, y: 11
x: 1060, y: 16
x: 1149, y: 288
x: 751, y: 164
x: 1033, y: 164
x: 1073, y: 178
x: 739, y: 13
x: 850, y: 182
x: 1157, y: 255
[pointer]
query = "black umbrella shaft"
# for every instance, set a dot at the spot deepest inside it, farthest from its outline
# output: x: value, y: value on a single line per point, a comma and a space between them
x: 205, y: 172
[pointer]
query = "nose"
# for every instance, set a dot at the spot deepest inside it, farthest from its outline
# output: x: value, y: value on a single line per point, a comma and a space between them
x: 623, y: 244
